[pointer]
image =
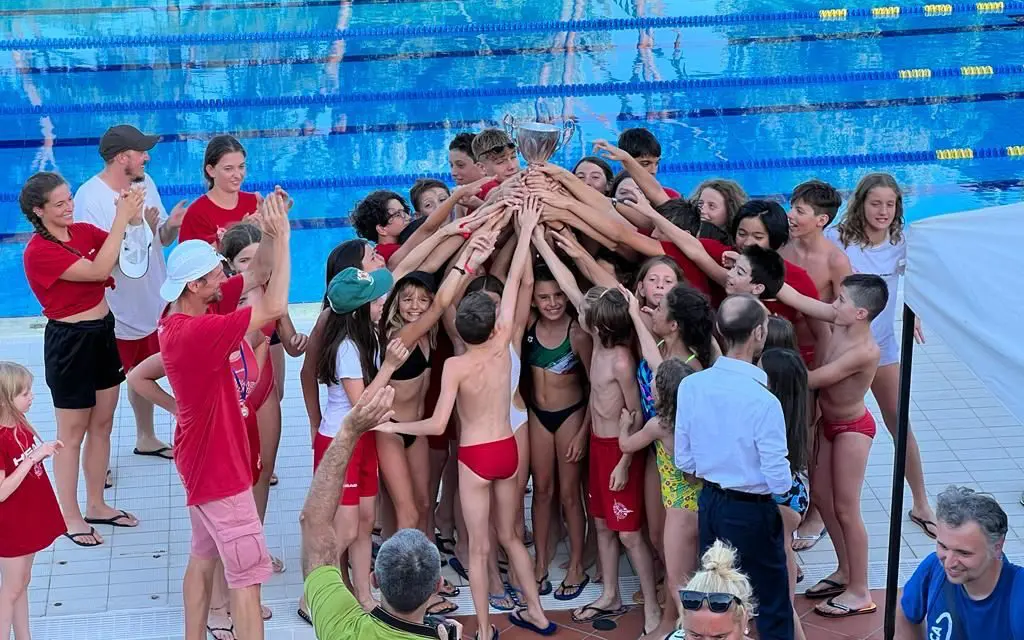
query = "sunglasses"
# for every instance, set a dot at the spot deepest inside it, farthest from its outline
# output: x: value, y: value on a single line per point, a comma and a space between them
x: 717, y: 602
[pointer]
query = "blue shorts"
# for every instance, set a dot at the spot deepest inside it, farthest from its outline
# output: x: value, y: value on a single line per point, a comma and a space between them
x: 796, y: 498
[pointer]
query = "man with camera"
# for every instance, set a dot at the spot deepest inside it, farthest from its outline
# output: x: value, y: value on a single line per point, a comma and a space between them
x: 408, y: 566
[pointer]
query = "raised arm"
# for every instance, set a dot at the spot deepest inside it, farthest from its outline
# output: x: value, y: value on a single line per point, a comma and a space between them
x: 433, y: 223
x: 274, y: 303
x: 440, y: 245
x: 619, y: 233
x: 129, y: 207
x: 813, y: 309
x: 568, y: 243
x: 689, y: 245
x: 558, y: 269
x: 413, y: 331
x: 529, y: 216
x: 648, y: 345
x: 319, y: 542
x: 647, y: 183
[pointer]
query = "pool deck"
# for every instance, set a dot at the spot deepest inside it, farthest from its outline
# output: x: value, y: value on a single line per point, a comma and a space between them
x: 130, y: 587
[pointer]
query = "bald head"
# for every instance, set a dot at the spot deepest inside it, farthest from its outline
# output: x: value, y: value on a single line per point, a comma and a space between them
x: 739, y: 316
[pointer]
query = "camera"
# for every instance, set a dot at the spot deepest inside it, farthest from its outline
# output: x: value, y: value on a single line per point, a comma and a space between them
x: 435, y: 621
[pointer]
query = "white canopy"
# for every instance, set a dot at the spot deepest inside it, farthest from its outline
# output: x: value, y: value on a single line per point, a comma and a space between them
x: 963, y: 278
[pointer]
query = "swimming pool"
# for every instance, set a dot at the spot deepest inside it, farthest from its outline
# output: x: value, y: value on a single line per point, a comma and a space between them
x: 334, y: 99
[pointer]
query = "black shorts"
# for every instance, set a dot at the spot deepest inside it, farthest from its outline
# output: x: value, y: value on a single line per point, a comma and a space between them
x: 80, y: 359
x: 274, y: 338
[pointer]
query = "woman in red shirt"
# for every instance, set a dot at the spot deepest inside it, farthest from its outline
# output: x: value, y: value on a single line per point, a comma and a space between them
x: 225, y: 203
x: 26, y: 498
x: 68, y: 266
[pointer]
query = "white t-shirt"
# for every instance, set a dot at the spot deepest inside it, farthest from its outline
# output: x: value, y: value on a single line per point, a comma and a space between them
x: 347, y: 366
x: 887, y: 260
x: 136, y: 303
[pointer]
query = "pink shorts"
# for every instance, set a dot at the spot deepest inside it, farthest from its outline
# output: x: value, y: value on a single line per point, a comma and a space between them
x: 231, y: 529
x: 864, y: 425
x: 361, y: 476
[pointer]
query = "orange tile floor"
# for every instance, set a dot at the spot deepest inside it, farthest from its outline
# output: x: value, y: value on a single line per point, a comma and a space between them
x: 630, y: 626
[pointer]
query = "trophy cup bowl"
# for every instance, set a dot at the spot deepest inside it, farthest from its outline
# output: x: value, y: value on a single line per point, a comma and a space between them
x: 538, y: 141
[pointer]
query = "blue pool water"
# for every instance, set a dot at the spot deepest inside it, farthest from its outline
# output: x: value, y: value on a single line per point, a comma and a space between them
x: 790, y: 94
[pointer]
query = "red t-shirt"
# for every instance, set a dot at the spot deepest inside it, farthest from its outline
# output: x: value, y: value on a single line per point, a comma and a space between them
x: 204, y: 220
x: 487, y: 188
x: 230, y: 294
x: 672, y: 193
x: 46, y: 261
x: 387, y: 250
x: 31, y: 515
x: 211, y: 443
x: 693, y: 274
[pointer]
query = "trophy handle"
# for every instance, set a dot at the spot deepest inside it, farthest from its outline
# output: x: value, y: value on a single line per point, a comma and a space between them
x: 510, y: 127
x: 568, y: 129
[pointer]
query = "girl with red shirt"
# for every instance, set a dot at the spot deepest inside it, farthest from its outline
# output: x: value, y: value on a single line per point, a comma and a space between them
x: 225, y: 203
x: 26, y: 498
x: 68, y: 266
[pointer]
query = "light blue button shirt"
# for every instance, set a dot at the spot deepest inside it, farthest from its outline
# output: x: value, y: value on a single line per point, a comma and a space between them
x: 730, y: 429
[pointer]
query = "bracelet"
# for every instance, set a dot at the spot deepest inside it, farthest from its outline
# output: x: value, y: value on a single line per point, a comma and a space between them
x: 465, y: 235
x: 459, y: 269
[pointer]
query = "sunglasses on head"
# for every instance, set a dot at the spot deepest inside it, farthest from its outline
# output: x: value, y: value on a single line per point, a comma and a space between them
x: 717, y: 602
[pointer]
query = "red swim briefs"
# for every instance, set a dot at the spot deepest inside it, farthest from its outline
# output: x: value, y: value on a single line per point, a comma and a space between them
x: 864, y: 425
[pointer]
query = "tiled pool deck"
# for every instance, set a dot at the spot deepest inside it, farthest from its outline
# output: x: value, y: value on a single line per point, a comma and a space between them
x: 130, y: 587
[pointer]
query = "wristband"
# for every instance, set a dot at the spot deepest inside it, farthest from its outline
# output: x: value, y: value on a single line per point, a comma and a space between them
x: 465, y: 234
x: 467, y: 270
x: 459, y: 269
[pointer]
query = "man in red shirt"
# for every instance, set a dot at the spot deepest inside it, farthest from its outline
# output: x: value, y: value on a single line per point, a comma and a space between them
x: 211, y: 442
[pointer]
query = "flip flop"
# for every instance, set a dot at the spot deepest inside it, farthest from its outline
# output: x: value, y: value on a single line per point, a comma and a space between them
x: 846, y: 611
x: 527, y: 538
x: 799, y: 576
x: 494, y: 633
x: 108, y: 481
x: 834, y: 589
x: 273, y: 480
x: 516, y: 595
x: 499, y: 601
x: 265, y: 612
x: 159, y: 453
x: 518, y: 620
x: 446, y: 607
x: 213, y: 631
x: 571, y: 591
x: 305, y: 617
x: 444, y: 545
x: 543, y: 586
x: 457, y: 567
x: 601, y: 614
x: 921, y: 522
x: 114, y: 521
x: 73, y: 537
x: 448, y: 590
x: 813, y: 539
x: 277, y: 564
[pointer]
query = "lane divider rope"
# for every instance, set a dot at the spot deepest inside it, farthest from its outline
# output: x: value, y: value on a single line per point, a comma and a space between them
x: 510, y: 92
x: 710, y: 167
x: 509, y: 27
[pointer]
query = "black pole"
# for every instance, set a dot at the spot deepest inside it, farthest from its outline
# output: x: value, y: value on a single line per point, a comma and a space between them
x: 899, y: 468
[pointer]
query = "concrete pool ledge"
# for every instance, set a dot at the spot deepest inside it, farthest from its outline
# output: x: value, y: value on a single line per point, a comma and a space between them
x: 305, y: 313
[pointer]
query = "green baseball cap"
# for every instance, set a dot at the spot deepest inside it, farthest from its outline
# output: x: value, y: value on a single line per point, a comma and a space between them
x: 352, y: 288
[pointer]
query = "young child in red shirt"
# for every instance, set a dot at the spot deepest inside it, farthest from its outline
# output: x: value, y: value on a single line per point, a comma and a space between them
x: 27, y: 503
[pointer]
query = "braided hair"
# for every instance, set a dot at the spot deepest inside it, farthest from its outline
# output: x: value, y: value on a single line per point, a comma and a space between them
x: 34, y: 195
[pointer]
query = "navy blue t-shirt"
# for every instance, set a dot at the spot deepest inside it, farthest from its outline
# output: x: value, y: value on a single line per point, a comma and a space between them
x: 1000, y: 615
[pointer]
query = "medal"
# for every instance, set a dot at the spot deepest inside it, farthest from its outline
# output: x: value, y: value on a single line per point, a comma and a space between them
x: 243, y: 384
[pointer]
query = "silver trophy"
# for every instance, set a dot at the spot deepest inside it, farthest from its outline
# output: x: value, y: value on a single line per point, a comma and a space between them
x: 538, y: 141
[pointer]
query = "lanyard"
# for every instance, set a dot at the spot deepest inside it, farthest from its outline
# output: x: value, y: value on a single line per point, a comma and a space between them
x: 243, y: 385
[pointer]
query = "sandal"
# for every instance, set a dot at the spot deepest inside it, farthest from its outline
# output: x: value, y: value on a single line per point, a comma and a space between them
x: 213, y: 631
x: 599, y: 613
x: 921, y: 522
x: 845, y: 611
x: 73, y: 537
x: 517, y: 619
x: 571, y: 591
x: 444, y: 545
x: 544, y: 586
x: 115, y: 521
x: 501, y: 601
x: 442, y: 607
x: 447, y: 590
x: 833, y: 589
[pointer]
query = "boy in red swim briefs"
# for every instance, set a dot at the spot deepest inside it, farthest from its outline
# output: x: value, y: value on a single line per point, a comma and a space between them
x: 616, y: 488
x: 848, y: 366
x: 480, y: 380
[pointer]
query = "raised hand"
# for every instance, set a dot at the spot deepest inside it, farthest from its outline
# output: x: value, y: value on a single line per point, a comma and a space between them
x: 605, y: 149
x: 370, y: 411
x: 152, y: 216
x: 642, y: 206
x: 566, y: 241
x: 529, y: 216
x: 177, y: 215
x: 273, y: 216
x: 396, y: 354
x: 467, y: 191
x: 634, y: 304
x: 479, y: 250
x: 729, y: 259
